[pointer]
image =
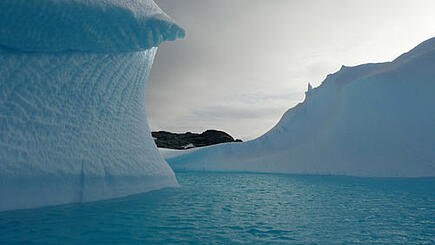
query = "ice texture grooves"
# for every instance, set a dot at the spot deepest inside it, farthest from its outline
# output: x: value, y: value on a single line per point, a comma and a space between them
x: 369, y: 120
x: 72, y: 115
x: 77, y: 131
x: 84, y: 25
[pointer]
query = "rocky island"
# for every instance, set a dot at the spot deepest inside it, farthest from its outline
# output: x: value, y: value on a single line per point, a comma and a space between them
x: 181, y: 141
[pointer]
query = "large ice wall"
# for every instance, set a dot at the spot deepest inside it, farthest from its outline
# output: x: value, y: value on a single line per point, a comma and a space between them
x: 369, y: 120
x: 72, y: 109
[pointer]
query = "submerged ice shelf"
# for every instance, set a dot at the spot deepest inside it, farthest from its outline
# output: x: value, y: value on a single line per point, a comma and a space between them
x: 369, y: 120
x: 72, y: 109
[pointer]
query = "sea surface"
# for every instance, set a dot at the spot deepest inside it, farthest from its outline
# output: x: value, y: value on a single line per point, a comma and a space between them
x: 242, y: 208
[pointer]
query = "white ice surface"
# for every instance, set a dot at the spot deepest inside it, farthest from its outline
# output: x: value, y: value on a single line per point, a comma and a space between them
x: 171, y: 153
x: 72, y: 108
x: 369, y: 120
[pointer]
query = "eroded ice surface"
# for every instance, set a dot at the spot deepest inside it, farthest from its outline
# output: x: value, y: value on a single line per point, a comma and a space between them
x: 72, y: 109
x: 106, y: 26
x: 368, y: 120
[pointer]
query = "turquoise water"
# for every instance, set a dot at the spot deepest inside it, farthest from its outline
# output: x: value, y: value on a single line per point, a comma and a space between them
x: 237, y: 208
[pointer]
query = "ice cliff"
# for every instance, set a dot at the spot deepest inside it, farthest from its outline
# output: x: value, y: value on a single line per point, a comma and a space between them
x: 72, y: 109
x: 369, y: 120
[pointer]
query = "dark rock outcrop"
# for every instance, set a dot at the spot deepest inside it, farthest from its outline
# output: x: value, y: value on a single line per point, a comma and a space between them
x: 188, y: 140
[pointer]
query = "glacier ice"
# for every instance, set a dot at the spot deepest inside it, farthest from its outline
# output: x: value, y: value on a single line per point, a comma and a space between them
x: 104, y: 26
x: 72, y: 109
x: 370, y: 120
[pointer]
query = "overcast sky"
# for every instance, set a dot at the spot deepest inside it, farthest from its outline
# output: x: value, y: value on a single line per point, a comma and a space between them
x: 245, y: 62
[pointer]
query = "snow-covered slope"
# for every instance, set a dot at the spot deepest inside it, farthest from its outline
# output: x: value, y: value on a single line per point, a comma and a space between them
x: 368, y: 120
x: 72, y: 109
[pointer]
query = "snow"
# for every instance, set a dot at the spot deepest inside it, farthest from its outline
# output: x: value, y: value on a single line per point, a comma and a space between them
x: 188, y: 146
x: 372, y: 120
x: 72, y: 109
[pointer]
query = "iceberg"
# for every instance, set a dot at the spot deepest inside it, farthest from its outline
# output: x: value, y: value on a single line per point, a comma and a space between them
x: 72, y: 109
x: 373, y: 120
